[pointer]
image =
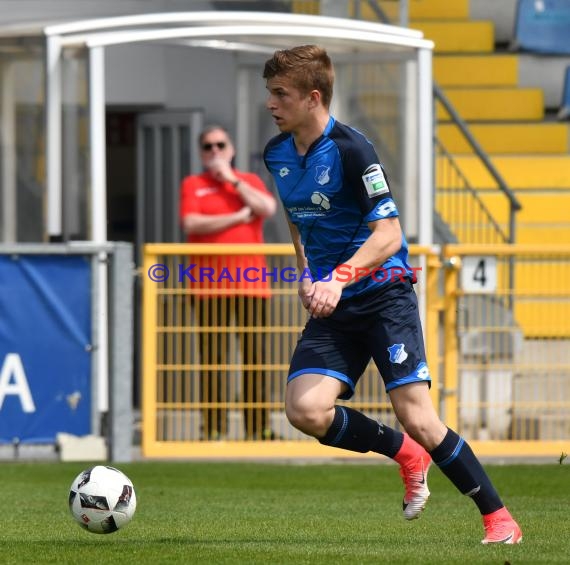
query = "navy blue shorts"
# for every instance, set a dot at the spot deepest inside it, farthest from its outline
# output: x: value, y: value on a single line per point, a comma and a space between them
x: 382, y: 324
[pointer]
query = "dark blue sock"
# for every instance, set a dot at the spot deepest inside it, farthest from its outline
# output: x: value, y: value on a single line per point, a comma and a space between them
x: 458, y: 463
x: 354, y: 431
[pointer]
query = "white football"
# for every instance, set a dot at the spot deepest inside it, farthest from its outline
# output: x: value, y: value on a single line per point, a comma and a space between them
x: 102, y: 499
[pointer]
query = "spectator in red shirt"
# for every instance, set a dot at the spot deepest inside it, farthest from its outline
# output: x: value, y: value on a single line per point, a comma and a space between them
x: 225, y: 205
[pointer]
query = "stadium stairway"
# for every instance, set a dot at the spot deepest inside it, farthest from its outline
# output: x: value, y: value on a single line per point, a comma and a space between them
x: 526, y: 145
x: 522, y: 138
x: 529, y: 148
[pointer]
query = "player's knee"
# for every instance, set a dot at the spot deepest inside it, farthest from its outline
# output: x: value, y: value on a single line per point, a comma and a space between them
x: 428, y: 432
x: 416, y: 429
x: 308, y: 419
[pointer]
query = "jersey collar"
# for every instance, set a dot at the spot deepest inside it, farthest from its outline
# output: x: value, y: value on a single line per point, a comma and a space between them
x: 325, y: 133
x: 329, y: 126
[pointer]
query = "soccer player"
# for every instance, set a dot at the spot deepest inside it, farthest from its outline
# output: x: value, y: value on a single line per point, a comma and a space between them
x: 344, y: 221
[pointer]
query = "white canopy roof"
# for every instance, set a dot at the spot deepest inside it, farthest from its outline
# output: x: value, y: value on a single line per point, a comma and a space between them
x: 245, y: 27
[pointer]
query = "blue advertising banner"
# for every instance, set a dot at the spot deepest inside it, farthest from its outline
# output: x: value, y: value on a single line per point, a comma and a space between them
x: 45, y: 337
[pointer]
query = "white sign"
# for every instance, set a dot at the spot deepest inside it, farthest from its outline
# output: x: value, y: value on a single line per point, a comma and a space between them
x: 479, y: 274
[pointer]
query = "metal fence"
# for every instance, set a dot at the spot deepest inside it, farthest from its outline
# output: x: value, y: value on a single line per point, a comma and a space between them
x: 498, y: 353
x: 195, y: 342
x: 507, y: 356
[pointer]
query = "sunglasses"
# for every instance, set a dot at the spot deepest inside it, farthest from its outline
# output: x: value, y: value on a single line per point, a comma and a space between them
x: 210, y: 146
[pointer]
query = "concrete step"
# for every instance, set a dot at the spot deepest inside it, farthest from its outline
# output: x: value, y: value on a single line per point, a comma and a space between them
x: 525, y: 138
x: 458, y: 36
x: 476, y: 70
x: 421, y: 10
x: 495, y: 104
x: 546, y: 234
x: 472, y: 104
x: 544, y: 217
x: 539, y: 207
x: 535, y: 233
x: 520, y: 172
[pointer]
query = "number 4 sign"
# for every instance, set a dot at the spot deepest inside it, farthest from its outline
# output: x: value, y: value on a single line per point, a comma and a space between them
x: 479, y: 274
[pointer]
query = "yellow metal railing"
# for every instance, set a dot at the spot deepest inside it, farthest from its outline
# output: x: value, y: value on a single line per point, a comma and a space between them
x: 196, y: 386
x: 497, y: 346
x: 507, y: 347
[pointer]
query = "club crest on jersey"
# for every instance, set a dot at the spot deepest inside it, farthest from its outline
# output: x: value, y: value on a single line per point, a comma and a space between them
x: 322, y: 174
x: 374, y: 180
x: 397, y: 352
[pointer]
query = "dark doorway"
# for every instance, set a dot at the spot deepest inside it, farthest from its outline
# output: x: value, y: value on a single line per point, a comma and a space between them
x: 121, y: 175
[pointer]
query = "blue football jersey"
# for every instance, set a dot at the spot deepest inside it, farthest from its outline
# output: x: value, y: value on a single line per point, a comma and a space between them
x: 330, y: 194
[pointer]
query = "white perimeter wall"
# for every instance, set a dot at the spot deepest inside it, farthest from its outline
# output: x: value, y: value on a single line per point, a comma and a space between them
x: 179, y: 78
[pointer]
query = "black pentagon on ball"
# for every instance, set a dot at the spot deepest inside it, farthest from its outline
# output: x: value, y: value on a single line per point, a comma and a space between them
x: 92, y: 501
x: 72, y: 495
x: 85, y: 478
x: 124, y: 499
x: 108, y: 525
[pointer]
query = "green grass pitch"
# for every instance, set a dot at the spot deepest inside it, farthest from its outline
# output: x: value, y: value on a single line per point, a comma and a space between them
x: 226, y: 512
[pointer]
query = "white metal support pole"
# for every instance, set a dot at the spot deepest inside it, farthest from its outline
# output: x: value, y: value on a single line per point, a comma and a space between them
x: 425, y: 146
x: 425, y: 163
x: 243, y: 121
x: 335, y: 8
x: 53, y: 136
x: 196, y: 125
x: 404, y: 13
x: 8, y: 167
x: 409, y: 123
x: 70, y: 165
x: 339, y: 103
x: 99, y: 214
